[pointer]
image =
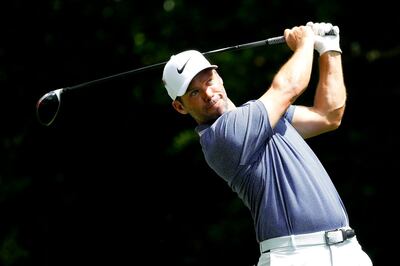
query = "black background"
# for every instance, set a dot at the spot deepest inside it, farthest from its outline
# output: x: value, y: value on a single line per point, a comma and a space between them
x: 119, y: 177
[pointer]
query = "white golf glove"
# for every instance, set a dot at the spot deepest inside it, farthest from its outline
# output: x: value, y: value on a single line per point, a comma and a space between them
x: 326, y: 37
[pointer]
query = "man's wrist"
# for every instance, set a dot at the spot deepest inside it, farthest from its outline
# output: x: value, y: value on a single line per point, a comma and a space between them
x: 331, y: 52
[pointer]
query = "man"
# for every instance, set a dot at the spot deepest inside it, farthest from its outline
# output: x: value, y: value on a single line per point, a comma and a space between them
x: 258, y: 148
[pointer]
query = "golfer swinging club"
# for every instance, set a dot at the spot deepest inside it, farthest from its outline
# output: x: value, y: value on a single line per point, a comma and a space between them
x: 258, y: 148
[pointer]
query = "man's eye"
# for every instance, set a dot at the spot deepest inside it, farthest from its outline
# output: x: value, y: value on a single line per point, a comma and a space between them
x: 194, y: 92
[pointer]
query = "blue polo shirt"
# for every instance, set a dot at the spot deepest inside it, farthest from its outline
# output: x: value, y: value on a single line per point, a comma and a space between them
x: 274, y: 172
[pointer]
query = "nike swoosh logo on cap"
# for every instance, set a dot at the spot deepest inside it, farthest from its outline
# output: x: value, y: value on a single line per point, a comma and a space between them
x: 183, y: 67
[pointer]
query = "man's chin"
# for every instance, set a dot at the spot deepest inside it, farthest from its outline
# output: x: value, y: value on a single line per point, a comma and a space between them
x: 219, y: 106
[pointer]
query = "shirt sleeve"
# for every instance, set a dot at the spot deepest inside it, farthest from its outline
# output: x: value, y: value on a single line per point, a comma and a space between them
x: 236, y: 138
x: 289, y: 113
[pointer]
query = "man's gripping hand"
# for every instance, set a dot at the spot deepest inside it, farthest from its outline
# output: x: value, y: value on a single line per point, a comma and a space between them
x: 326, y: 37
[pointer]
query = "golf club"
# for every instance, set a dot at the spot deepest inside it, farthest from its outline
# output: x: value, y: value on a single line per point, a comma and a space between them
x: 48, y: 105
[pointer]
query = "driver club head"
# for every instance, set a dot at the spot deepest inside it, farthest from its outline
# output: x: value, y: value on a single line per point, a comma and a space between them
x: 47, y: 107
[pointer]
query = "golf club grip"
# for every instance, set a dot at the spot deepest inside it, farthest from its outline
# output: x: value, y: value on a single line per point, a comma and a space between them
x: 281, y: 39
x: 276, y: 40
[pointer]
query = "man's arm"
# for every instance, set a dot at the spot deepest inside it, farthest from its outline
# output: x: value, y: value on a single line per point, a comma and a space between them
x: 329, y: 101
x: 330, y: 96
x: 293, y: 77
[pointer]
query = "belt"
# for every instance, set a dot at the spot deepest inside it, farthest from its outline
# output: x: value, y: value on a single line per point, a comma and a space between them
x: 331, y: 237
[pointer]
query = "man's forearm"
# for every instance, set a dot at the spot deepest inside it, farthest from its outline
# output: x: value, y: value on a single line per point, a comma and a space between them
x: 294, y: 75
x: 330, y: 95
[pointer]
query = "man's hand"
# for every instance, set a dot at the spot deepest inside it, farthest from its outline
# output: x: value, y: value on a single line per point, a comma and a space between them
x: 323, y: 42
x: 299, y: 36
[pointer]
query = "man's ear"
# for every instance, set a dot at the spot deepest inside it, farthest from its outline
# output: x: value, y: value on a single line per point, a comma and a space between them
x: 178, y: 106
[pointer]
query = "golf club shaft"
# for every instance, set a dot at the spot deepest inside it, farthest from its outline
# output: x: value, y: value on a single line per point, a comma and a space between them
x: 274, y: 40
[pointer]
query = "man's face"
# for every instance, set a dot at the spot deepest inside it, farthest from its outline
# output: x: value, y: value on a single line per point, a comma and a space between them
x: 205, y: 99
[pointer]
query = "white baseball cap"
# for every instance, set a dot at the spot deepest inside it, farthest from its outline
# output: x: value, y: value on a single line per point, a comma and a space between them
x: 181, y: 69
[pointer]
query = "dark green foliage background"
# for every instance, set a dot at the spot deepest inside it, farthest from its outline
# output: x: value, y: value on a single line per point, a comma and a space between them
x: 119, y: 177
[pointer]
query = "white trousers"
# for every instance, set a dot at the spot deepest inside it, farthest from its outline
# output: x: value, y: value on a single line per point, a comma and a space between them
x: 348, y: 253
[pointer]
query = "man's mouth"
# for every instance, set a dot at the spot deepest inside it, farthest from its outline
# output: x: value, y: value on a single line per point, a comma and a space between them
x: 213, y: 101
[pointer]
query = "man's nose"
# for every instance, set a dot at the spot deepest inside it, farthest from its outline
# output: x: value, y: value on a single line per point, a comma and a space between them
x: 208, y: 93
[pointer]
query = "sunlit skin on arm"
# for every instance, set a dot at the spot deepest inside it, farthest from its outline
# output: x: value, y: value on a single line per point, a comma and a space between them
x: 294, y: 76
x: 329, y: 100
